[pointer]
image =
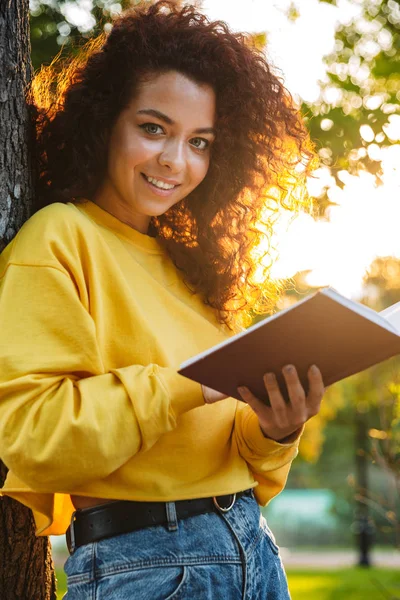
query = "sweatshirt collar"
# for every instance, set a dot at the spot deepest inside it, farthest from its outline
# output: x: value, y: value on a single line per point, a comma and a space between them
x: 104, y: 218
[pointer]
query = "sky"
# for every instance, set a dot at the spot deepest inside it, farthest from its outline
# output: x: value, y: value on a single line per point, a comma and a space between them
x: 364, y: 224
x: 296, y: 47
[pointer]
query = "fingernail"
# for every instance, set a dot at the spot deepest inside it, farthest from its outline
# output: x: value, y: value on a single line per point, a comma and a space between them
x: 242, y: 389
x: 314, y: 369
x: 288, y: 369
x: 270, y: 377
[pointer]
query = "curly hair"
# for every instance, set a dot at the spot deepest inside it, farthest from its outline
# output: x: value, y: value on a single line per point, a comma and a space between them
x: 221, y: 235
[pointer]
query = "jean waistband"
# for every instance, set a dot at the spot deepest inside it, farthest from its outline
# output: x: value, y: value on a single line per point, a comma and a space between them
x: 123, y: 516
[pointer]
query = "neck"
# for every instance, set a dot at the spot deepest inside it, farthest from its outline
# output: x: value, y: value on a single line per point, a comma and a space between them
x: 109, y: 200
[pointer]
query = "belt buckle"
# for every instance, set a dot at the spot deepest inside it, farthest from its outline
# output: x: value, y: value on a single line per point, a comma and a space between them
x: 70, y: 535
x: 225, y: 509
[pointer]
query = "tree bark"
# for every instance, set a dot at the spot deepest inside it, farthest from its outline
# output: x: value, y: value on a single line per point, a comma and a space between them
x: 26, y: 570
x: 16, y: 176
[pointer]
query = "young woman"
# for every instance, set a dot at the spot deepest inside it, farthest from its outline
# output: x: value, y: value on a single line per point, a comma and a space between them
x: 159, y: 154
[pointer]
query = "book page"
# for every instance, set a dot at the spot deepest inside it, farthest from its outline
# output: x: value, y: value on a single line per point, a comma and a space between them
x: 392, y: 314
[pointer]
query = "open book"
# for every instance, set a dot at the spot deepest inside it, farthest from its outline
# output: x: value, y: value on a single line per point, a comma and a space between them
x: 340, y: 336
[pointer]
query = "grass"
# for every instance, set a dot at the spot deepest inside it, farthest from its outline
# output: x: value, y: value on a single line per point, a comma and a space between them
x: 339, y: 584
x: 61, y: 583
x: 353, y: 583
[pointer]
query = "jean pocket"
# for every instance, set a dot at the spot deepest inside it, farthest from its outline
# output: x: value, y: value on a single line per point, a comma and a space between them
x: 79, y: 566
x: 269, y: 535
x: 155, y: 582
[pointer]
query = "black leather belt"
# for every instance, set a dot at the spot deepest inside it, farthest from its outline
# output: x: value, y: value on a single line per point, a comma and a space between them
x: 122, y: 516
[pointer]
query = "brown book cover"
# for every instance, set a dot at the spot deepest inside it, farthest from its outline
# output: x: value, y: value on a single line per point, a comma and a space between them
x: 341, y: 336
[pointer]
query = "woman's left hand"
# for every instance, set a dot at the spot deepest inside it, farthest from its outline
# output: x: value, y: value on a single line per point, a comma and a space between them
x: 282, y: 419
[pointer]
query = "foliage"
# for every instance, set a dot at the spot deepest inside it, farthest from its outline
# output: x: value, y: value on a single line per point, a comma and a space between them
x: 358, y: 113
x: 382, y: 285
x: 62, y: 25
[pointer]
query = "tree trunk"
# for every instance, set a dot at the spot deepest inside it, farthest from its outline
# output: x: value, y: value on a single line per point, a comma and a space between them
x: 26, y: 570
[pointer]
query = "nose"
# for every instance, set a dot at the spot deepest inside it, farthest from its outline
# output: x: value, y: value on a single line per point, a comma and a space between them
x: 173, y: 156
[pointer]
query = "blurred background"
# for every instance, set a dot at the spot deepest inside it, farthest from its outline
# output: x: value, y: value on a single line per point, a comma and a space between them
x: 338, y: 520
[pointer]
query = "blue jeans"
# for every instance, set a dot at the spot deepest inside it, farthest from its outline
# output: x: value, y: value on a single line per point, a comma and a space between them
x: 218, y: 556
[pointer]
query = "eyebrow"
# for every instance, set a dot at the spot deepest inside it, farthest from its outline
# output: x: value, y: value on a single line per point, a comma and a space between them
x: 159, y: 115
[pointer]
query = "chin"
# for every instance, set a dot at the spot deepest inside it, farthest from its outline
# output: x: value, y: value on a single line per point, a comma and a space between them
x: 158, y: 211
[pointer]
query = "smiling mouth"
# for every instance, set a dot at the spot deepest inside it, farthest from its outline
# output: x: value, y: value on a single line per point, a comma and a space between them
x: 161, y: 185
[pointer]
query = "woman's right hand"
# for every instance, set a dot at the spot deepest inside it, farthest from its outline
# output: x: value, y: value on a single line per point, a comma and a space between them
x: 211, y: 396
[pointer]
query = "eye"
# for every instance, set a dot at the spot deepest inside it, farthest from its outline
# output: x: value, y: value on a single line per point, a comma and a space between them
x: 152, y: 128
x: 200, y: 143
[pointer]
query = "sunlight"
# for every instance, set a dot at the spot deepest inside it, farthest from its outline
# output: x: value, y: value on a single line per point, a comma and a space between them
x: 271, y: 17
x: 361, y: 226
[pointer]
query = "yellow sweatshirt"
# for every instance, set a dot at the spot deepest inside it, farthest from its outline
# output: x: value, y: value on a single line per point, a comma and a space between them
x: 94, y: 322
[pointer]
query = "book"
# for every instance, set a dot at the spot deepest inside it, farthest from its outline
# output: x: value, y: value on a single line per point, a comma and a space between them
x: 341, y: 336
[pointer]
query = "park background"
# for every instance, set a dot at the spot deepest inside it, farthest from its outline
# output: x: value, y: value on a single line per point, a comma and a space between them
x: 341, y: 62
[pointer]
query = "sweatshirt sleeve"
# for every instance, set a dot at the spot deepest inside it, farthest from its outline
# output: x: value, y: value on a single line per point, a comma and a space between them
x: 63, y: 419
x: 268, y: 460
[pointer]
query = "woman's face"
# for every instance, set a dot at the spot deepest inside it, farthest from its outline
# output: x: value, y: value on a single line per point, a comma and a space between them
x: 159, y: 148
